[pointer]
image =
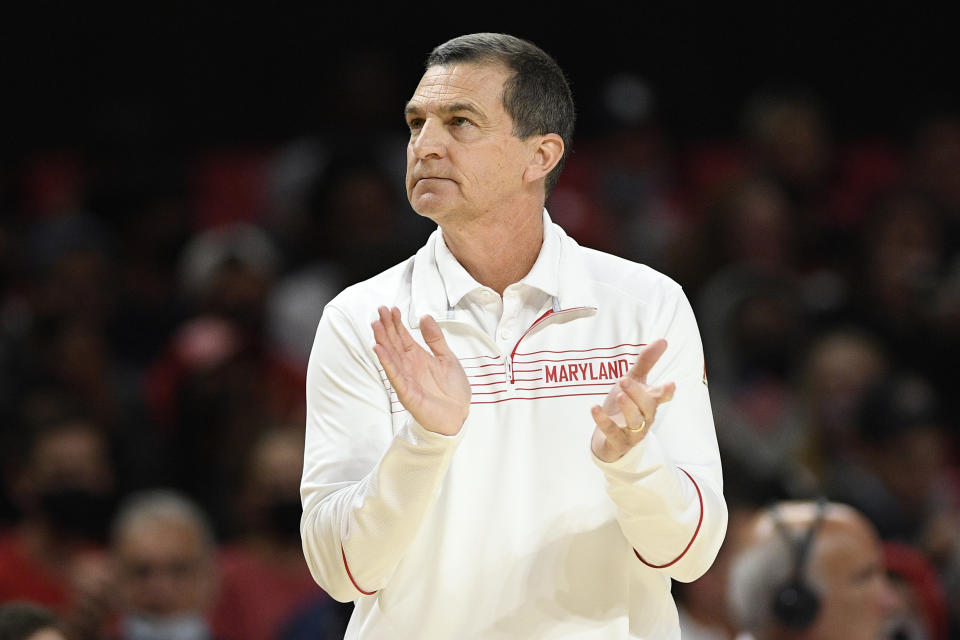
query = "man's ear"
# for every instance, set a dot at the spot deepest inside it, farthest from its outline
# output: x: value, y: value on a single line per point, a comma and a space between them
x: 546, y: 155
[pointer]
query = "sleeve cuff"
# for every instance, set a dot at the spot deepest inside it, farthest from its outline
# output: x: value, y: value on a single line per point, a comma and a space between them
x: 645, y: 457
x: 418, y: 435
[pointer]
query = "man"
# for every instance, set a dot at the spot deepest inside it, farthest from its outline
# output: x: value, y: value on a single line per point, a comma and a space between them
x: 163, y: 549
x: 64, y: 485
x: 811, y: 571
x: 456, y: 492
x: 264, y: 582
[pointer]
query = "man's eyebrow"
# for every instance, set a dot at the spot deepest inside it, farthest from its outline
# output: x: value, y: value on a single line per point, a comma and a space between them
x: 413, y: 109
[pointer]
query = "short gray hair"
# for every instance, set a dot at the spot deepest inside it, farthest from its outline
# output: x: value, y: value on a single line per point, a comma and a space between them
x: 537, y: 96
x: 163, y: 505
x: 755, y: 575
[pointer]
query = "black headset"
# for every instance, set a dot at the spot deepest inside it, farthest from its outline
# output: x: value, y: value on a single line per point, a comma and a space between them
x: 796, y: 603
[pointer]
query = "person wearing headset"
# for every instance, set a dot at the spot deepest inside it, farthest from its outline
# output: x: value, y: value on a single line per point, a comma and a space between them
x: 811, y: 570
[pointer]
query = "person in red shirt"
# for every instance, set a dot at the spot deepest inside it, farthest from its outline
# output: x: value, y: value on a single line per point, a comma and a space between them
x: 264, y: 578
x: 54, y: 555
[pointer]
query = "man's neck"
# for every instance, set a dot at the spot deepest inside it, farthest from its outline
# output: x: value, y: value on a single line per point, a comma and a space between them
x: 497, y: 250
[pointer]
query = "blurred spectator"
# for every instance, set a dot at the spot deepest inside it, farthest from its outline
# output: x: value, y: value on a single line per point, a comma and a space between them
x: 701, y: 604
x: 213, y: 392
x: 791, y: 138
x: 936, y: 165
x: 69, y: 257
x: 26, y: 621
x: 899, y: 428
x: 227, y: 271
x: 749, y: 226
x: 839, y: 368
x: 361, y: 223
x: 166, y: 576
x: 810, y: 570
x: 903, y: 480
x: 294, y: 309
x: 751, y: 338
x: 752, y: 320
x: 898, y: 273
x: 218, y: 383
x: 149, y: 304
x: 638, y: 213
x: 264, y: 578
x: 64, y: 489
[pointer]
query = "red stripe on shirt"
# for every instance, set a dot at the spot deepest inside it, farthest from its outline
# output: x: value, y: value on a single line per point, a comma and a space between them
x: 564, y: 395
x: 350, y: 575
x: 689, y: 544
x: 612, y: 355
x: 616, y: 346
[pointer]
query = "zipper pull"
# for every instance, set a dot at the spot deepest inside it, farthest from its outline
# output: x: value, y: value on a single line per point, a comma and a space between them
x: 508, y: 361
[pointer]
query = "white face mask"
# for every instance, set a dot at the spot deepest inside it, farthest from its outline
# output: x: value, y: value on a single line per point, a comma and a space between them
x: 183, y: 627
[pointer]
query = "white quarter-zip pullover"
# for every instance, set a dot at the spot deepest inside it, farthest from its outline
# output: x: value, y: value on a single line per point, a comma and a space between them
x: 512, y: 528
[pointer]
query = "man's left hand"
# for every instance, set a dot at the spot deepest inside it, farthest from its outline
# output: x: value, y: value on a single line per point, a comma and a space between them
x: 630, y: 408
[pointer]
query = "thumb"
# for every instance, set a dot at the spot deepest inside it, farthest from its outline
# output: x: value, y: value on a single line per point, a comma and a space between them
x: 433, y: 336
x: 666, y: 393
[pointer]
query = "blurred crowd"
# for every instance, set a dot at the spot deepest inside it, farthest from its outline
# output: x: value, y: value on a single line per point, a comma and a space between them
x: 157, y: 311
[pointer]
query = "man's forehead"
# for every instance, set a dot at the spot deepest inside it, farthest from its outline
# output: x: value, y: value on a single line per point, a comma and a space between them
x: 477, y: 84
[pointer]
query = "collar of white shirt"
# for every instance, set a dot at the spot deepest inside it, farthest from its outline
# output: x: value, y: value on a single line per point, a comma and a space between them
x: 439, y: 282
x: 544, y: 275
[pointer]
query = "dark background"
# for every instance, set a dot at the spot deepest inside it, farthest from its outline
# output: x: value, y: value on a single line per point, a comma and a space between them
x: 179, y: 74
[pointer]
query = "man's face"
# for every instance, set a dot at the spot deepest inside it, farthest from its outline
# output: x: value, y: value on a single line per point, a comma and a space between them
x: 73, y: 456
x: 463, y: 160
x: 858, y: 599
x: 164, y: 569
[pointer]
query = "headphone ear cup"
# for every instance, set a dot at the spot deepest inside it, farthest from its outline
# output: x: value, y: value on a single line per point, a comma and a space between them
x: 796, y: 605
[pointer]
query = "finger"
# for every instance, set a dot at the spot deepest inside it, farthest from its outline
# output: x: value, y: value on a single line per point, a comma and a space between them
x: 664, y: 393
x: 637, y: 425
x: 386, y: 361
x: 391, y: 368
x: 647, y: 358
x: 631, y: 412
x: 639, y: 393
x: 381, y: 338
x: 606, y: 425
x: 405, y: 339
x: 389, y: 325
x: 433, y: 336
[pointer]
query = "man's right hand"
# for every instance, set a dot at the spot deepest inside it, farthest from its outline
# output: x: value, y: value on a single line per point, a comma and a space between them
x: 433, y: 388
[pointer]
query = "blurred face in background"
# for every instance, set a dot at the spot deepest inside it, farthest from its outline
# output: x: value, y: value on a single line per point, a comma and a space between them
x: 164, y: 569
x: 758, y: 232
x: 273, y: 493
x: 912, y: 464
x: 904, y: 253
x: 68, y: 481
x: 857, y: 599
x: 840, y: 369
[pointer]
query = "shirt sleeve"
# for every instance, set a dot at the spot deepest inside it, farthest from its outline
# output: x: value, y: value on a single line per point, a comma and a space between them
x: 668, y: 490
x: 365, y: 489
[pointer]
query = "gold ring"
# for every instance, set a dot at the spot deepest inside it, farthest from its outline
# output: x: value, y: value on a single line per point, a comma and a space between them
x: 643, y: 425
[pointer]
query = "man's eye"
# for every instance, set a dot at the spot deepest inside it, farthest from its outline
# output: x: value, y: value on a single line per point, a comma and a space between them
x: 460, y: 122
x: 415, y: 124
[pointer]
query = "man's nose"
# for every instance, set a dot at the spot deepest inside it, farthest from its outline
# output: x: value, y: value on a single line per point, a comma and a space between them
x: 429, y: 141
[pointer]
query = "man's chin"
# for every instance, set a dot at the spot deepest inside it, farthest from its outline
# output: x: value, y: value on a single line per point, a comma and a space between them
x: 430, y: 205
